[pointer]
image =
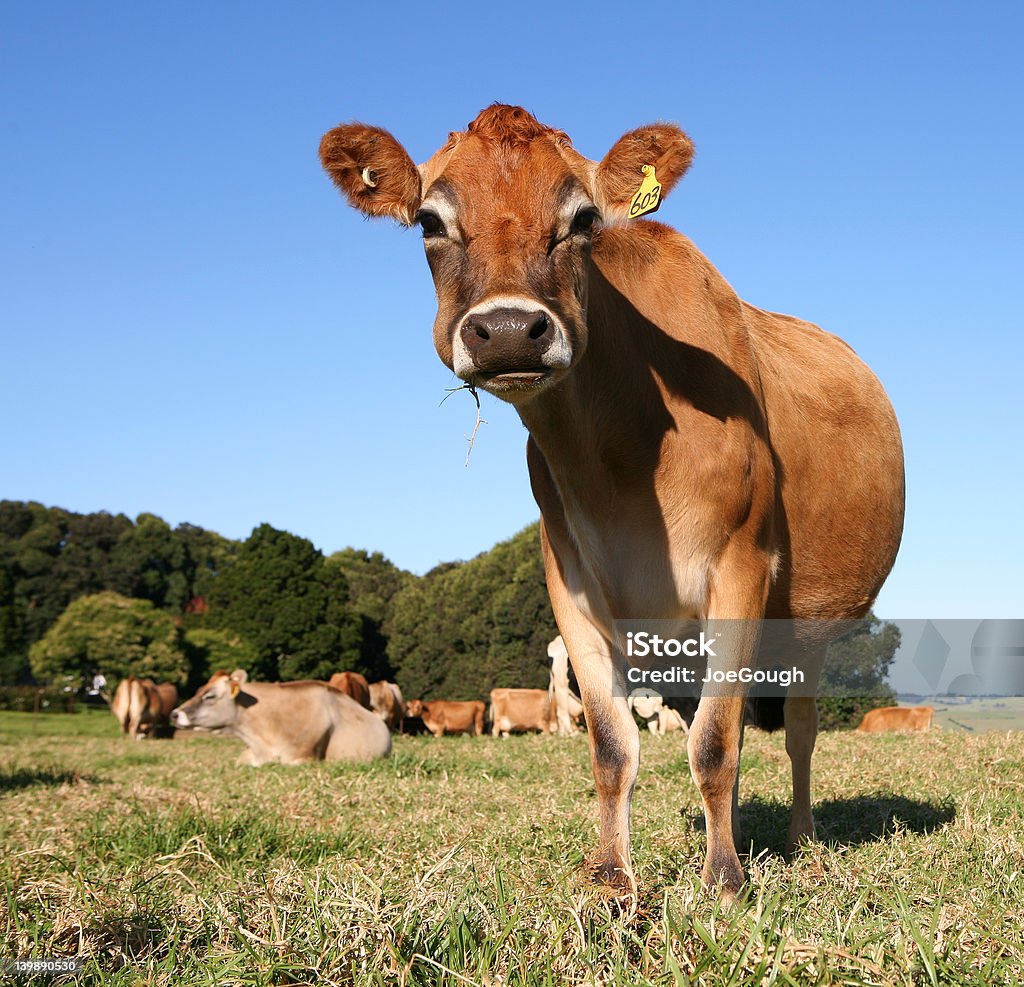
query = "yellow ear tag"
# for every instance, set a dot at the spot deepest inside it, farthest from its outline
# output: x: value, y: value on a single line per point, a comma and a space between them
x: 235, y: 689
x: 648, y: 196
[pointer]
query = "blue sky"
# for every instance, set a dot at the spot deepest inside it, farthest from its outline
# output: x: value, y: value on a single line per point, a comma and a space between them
x: 194, y: 324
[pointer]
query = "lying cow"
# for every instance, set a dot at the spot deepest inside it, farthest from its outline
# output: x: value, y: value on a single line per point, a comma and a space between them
x: 520, y: 711
x: 352, y: 684
x: 285, y: 721
x: 387, y: 702
x: 142, y: 706
x: 897, y: 718
x: 651, y: 708
x: 441, y: 716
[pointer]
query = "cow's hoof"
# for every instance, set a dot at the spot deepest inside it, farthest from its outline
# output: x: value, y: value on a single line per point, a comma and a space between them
x: 798, y: 839
x: 726, y: 877
x: 611, y: 875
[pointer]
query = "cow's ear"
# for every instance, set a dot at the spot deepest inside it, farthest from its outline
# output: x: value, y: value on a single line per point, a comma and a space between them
x: 372, y: 170
x: 662, y: 147
x: 239, y: 675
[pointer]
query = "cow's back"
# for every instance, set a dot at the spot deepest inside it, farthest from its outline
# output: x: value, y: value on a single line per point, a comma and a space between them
x: 357, y: 734
x: 354, y: 685
x: 307, y: 720
x: 839, y: 466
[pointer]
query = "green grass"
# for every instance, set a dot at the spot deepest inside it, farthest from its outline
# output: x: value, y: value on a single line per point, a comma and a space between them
x: 457, y: 861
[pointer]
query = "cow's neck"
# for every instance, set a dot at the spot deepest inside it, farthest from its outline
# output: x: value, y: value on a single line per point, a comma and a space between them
x: 641, y: 437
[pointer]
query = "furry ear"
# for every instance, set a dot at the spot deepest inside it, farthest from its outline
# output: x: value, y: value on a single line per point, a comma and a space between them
x: 662, y: 145
x: 239, y: 675
x: 372, y: 170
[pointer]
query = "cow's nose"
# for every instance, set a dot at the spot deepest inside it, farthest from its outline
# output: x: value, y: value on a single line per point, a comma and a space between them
x: 178, y: 718
x: 504, y: 340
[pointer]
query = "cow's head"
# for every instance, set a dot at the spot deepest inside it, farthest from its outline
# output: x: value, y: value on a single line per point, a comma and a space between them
x: 214, y: 706
x: 414, y: 708
x: 509, y: 211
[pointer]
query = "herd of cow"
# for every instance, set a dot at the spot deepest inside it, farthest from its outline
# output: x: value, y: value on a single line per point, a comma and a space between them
x: 346, y: 718
x: 350, y: 719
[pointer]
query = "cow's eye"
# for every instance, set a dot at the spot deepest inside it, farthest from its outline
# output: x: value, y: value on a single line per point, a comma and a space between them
x: 209, y: 697
x: 431, y: 224
x: 584, y: 220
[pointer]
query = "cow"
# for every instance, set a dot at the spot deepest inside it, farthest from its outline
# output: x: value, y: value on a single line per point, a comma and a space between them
x: 520, y: 711
x: 561, y: 698
x: 387, y: 702
x: 352, y: 684
x: 142, y: 706
x: 888, y: 719
x: 441, y: 716
x: 288, y: 722
x: 693, y: 457
x: 651, y: 708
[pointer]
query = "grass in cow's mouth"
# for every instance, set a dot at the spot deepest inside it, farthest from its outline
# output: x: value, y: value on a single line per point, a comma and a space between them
x: 480, y: 420
x: 458, y: 861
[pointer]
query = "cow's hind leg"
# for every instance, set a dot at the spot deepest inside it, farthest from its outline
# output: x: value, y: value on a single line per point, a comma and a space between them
x: 801, y: 712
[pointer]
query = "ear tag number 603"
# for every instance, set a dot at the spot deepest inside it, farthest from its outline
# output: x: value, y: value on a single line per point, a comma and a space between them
x: 648, y: 196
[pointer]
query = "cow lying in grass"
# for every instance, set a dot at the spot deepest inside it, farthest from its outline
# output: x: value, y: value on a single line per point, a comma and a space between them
x: 285, y: 721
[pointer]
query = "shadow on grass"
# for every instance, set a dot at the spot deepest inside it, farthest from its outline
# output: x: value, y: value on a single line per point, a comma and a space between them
x: 848, y: 822
x: 11, y: 781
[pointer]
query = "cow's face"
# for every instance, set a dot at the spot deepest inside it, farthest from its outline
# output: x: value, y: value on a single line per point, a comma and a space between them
x: 414, y: 708
x: 214, y: 706
x: 509, y: 213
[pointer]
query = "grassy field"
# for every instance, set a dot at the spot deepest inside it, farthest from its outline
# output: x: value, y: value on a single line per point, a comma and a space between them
x: 457, y: 862
x: 977, y: 715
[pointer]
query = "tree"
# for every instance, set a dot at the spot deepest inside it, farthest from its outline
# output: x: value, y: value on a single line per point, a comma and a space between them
x: 109, y: 634
x: 14, y: 667
x: 210, y: 650
x: 465, y: 628
x: 854, y: 678
x: 293, y: 609
x: 373, y: 581
x: 151, y: 562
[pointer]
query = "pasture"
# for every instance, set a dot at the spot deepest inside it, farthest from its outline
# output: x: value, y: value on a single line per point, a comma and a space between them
x: 457, y: 860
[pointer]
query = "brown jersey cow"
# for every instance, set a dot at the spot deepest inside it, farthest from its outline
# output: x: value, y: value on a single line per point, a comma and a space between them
x: 441, y: 716
x: 142, y: 706
x: 693, y: 457
x: 288, y: 722
x: 352, y: 684
x: 387, y: 702
x: 897, y: 718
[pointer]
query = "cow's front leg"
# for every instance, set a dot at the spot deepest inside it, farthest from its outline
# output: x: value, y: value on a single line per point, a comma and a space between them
x: 716, y: 735
x: 614, y: 750
x: 614, y: 738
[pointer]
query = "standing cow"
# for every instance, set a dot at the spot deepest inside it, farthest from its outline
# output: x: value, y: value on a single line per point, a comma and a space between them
x: 142, y: 706
x: 692, y: 456
x: 563, y: 702
x: 441, y: 716
x: 387, y: 702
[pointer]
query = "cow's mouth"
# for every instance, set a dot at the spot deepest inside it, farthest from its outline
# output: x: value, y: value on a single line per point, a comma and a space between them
x: 514, y: 380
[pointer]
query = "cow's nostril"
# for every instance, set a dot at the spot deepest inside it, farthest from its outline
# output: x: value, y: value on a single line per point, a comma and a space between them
x: 481, y: 331
x: 539, y: 327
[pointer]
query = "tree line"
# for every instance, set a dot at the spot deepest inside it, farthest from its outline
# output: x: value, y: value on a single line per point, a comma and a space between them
x: 82, y: 594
